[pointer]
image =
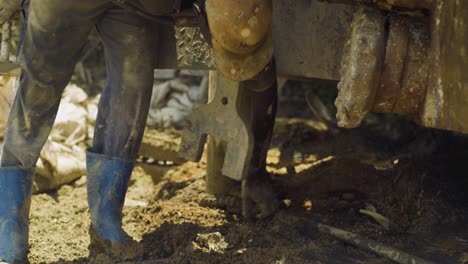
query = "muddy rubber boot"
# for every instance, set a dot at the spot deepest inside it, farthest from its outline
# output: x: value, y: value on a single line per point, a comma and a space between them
x: 107, y: 183
x: 15, y: 202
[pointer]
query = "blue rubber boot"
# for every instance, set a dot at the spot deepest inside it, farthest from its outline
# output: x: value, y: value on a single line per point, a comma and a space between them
x: 15, y: 202
x: 107, y: 183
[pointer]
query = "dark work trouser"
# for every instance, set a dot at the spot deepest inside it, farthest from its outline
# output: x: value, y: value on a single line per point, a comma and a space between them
x: 55, y: 35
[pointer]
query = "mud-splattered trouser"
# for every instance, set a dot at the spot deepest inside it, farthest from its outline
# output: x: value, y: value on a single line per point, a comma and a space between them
x: 53, y: 39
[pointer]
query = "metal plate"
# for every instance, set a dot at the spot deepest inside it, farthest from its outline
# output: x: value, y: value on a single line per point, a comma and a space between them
x: 447, y: 97
x: 308, y: 38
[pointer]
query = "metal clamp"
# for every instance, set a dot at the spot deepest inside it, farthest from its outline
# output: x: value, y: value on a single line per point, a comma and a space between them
x: 223, y: 119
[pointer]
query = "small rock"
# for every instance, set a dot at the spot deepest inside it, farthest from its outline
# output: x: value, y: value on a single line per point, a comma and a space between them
x: 74, y: 94
x: 241, y: 251
x: 134, y: 203
x: 211, y: 242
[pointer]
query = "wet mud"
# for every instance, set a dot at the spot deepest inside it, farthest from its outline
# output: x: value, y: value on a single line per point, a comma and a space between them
x: 415, y: 178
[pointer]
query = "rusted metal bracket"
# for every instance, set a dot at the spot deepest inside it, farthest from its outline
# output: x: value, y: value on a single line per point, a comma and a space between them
x: 362, y: 62
x: 222, y: 118
x: 385, y: 66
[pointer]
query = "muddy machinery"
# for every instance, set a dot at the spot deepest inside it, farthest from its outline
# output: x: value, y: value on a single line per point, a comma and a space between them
x: 394, y: 56
x: 407, y: 57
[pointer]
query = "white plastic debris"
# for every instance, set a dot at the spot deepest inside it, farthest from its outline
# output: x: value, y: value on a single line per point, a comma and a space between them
x: 74, y: 94
x: 173, y: 100
x: 58, y: 164
x: 61, y: 160
x: 70, y: 125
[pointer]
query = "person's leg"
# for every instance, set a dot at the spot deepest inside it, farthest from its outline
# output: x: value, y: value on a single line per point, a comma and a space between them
x: 55, y: 32
x: 124, y: 104
x: 120, y: 124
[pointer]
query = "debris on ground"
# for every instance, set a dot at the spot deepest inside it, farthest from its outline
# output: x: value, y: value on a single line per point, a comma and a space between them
x: 171, y: 213
x: 382, y: 220
x: 62, y: 159
x: 58, y: 164
x: 320, y: 176
x: 210, y: 242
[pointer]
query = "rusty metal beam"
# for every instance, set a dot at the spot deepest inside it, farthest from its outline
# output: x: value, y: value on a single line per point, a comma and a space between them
x: 446, y: 105
x: 308, y: 38
x: 361, y: 67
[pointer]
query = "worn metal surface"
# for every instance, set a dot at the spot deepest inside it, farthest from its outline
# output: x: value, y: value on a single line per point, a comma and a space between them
x: 361, y: 69
x: 241, y: 36
x: 192, y: 49
x: 308, y: 38
x: 181, y: 47
x: 222, y: 118
x: 404, y: 77
x: 385, y: 66
x: 446, y: 105
x: 395, y: 57
x: 414, y: 78
x: 240, y: 27
x: 256, y: 192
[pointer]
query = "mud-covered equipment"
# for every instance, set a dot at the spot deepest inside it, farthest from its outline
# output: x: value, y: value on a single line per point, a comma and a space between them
x: 240, y: 36
x: 15, y: 202
x: 418, y: 48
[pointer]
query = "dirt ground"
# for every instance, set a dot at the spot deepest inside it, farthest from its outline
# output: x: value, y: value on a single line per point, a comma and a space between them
x: 418, y: 181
